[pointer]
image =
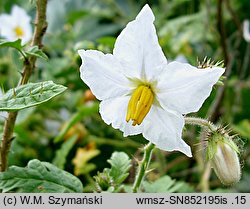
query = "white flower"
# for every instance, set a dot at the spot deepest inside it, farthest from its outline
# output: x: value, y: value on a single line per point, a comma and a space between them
x: 16, y: 25
x: 140, y: 92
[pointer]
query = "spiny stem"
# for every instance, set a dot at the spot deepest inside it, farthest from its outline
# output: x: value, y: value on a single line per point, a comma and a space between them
x: 200, y: 122
x: 204, y: 181
x: 143, y: 165
x: 29, y: 66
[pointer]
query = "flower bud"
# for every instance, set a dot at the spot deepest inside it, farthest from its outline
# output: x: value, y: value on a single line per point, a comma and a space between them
x: 103, y: 181
x: 223, y: 155
x: 226, y: 164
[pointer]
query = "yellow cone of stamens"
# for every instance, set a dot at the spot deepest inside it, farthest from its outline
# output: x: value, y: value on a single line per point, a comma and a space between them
x: 139, y: 104
x: 19, y: 31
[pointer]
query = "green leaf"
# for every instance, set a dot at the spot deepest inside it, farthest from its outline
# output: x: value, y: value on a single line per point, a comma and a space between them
x: 120, y: 164
x: 243, y: 129
x: 13, y: 44
x: 166, y: 185
x: 35, y: 51
x: 29, y: 95
x: 111, y: 178
x: 63, y: 152
x: 39, y: 177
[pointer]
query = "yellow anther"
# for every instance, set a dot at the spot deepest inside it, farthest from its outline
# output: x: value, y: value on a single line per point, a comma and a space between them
x: 19, y: 31
x: 145, y: 110
x: 132, y: 103
x: 139, y: 104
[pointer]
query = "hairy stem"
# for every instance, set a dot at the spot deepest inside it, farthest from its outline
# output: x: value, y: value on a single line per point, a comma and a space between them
x: 203, y: 123
x: 200, y: 122
x: 204, y: 182
x: 29, y: 65
x: 143, y: 165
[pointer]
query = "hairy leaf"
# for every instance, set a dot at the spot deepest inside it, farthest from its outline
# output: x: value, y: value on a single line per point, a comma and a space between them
x: 120, y: 164
x: 166, y: 185
x: 35, y: 51
x: 29, y: 95
x: 111, y: 178
x: 13, y: 44
x: 39, y: 177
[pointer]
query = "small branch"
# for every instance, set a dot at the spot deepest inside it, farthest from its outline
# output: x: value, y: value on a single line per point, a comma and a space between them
x: 214, y: 110
x: 245, y: 62
x: 7, y: 138
x: 234, y: 16
x: 143, y: 166
x: 29, y: 65
x: 40, y: 29
x: 221, y: 29
x: 204, y: 182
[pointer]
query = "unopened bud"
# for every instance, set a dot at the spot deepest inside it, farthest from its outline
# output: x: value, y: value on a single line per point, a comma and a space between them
x: 103, y: 181
x: 226, y: 164
x: 222, y: 152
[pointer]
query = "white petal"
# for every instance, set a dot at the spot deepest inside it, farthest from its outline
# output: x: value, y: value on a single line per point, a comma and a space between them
x: 6, y: 26
x: 20, y: 15
x: 22, y: 20
x: 6, y: 21
x: 27, y: 32
x: 18, y: 18
x: 103, y: 74
x: 164, y: 129
x: 137, y: 46
x: 113, y: 111
x: 184, y: 88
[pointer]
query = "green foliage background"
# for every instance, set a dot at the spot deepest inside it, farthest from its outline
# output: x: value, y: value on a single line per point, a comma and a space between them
x: 68, y: 130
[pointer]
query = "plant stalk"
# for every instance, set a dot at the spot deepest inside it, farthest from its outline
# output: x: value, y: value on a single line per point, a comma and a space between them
x: 143, y: 165
x: 29, y: 66
x: 200, y: 122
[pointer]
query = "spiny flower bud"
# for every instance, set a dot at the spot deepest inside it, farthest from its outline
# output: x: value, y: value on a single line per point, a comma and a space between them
x: 226, y: 164
x: 103, y: 181
x: 223, y: 154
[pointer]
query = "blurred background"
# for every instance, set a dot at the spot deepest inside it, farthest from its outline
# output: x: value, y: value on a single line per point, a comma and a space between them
x: 69, y: 132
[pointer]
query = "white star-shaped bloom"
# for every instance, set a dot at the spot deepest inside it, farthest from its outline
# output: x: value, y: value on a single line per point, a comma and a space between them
x: 16, y: 25
x: 140, y: 91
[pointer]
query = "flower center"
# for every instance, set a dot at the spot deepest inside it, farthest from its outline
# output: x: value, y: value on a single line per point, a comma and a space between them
x: 19, y: 31
x: 139, y: 104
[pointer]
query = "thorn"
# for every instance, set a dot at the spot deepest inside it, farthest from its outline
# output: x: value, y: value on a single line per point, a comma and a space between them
x: 41, y: 91
x: 136, y: 160
x: 14, y: 92
x: 148, y: 171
